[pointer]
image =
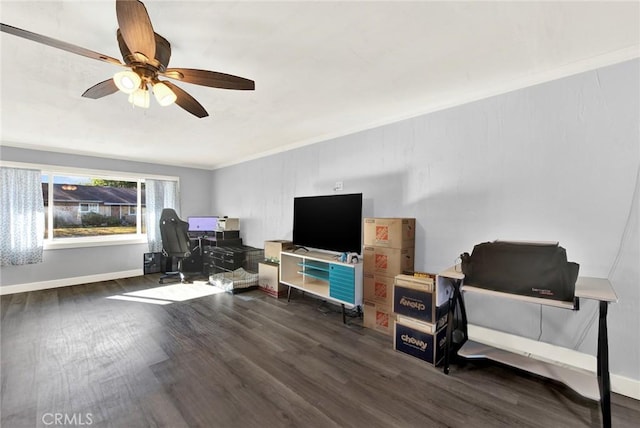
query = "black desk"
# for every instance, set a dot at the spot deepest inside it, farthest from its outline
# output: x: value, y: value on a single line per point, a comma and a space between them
x: 200, y: 246
x: 229, y: 258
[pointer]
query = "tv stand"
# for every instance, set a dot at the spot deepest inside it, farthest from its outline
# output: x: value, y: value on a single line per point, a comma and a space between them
x: 320, y: 274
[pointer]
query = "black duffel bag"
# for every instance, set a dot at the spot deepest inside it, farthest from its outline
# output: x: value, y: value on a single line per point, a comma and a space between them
x: 529, y: 269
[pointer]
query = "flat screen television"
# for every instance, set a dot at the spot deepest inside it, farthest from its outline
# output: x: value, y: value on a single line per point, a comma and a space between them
x: 332, y: 222
x: 204, y: 225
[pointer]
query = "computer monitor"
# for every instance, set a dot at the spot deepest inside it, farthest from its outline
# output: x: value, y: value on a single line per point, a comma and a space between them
x: 202, y: 225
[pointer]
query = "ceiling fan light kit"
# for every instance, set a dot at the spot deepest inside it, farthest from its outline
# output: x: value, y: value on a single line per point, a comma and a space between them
x: 140, y: 97
x: 127, y: 81
x: 164, y: 95
x: 131, y: 83
x: 146, y: 56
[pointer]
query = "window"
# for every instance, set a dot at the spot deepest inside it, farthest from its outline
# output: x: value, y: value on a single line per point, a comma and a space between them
x: 90, y: 206
x: 86, y: 207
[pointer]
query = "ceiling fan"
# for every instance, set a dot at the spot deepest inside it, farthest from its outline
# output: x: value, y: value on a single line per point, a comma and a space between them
x: 146, y: 57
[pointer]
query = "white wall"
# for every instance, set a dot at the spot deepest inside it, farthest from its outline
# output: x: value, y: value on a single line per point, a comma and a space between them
x: 558, y: 161
x: 79, y: 265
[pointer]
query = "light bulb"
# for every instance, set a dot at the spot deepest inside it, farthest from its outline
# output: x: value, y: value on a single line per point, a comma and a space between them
x: 140, y: 97
x: 127, y: 81
x: 164, y: 95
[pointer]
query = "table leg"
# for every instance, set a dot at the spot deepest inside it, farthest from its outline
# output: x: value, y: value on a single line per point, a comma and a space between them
x: 603, y: 367
x: 452, y: 310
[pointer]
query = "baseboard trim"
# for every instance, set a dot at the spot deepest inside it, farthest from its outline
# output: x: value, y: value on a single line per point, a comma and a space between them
x: 551, y: 353
x: 65, y: 282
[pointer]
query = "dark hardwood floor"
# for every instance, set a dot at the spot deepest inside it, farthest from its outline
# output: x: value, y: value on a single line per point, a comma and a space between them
x: 246, y: 360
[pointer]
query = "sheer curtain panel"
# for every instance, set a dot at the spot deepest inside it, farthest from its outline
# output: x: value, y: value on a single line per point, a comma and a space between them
x: 159, y: 194
x: 21, y: 216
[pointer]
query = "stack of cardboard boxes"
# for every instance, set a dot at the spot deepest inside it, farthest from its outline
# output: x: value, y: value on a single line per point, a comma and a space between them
x: 269, y: 269
x: 389, y: 246
x: 421, y: 306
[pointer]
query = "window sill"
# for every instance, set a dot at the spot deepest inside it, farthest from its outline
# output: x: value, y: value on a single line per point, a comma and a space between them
x: 94, y: 241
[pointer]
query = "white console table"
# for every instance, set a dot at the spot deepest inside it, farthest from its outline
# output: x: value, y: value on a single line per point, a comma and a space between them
x: 322, y: 275
x: 584, y: 383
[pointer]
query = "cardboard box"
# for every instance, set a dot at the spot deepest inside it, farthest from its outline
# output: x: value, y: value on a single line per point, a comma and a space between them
x: 227, y: 224
x: 422, y: 298
x: 424, y: 326
x: 390, y: 232
x: 273, y: 248
x: 418, y: 340
x: 387, y: 261
x: 378, y: 317
x: 269, y: 280
x: 378, y: 288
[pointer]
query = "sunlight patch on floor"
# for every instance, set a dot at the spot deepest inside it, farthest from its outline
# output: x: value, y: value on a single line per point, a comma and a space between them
x: 167, y: 294
x: 140, y: 299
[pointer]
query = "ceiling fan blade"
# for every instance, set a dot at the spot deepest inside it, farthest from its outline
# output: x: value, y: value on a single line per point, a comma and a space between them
x: 163, y: 51
x: 136, y: 28
x: 101, y: 89
x: 212, y: 79
x: 57, y: 44
x: 186, y: 101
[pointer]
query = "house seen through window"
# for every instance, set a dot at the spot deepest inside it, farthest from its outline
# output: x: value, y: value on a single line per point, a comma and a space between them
x: 78, y: 206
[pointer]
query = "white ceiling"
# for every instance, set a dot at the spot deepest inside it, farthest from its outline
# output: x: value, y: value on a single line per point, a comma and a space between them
x: 322, y: 69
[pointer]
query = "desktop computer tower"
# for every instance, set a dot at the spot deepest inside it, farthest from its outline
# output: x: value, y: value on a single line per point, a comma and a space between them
x: 153, y: 263
x: 158, y: 263
x: 193, y: 263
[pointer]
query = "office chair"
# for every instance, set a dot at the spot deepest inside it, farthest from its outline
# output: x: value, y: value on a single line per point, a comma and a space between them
x: 175, y: 241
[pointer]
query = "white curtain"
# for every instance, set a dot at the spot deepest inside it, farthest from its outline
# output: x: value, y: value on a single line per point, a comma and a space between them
x: 21, y: 216
x: 159, y: 194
